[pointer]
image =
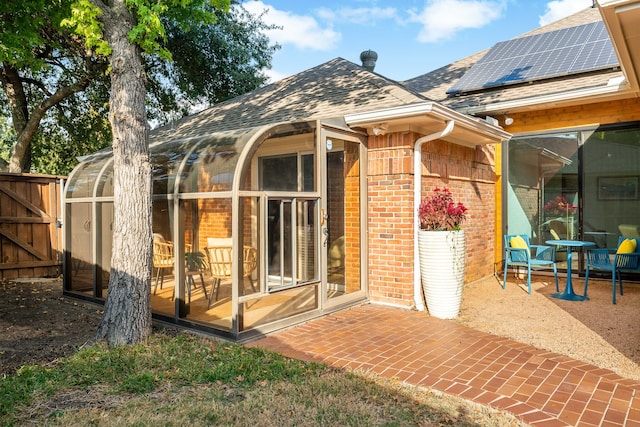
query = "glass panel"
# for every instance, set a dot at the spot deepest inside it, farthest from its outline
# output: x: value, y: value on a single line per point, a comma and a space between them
x: 209, y: 169
x: 105, y: 185
x: 166, y: 159
x: 611, y: 185
x: 278, y: 306
x: 307, y: 256
x: 279, y: 244
x: 279, y: 173
x: 352, y: 211
x: 82, y: 181
x: 80, y: 246
x: 251, y: 239
x: 280, y: 235
x: 207, y: 230
x: 308, y: 172
x: 343, y: 223
x: 543, y: 189
x: 163, y: 280
x: 105, y: 239
x: 207, y: 294
x: 281, y: 164
x: 162, y: 212
x: 195, y: 261
x: 286, y: 242
x: 212, y: 165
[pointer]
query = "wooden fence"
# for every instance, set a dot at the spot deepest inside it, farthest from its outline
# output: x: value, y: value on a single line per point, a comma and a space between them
x: 30, y: 232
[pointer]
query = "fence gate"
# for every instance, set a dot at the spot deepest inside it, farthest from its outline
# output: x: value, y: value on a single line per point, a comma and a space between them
x: 30, y: 236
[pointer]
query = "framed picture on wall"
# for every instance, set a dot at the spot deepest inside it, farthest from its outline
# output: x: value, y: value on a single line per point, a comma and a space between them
x: 617, y: 188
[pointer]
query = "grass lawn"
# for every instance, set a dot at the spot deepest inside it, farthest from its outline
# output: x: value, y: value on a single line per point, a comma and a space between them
x: 180, y: 379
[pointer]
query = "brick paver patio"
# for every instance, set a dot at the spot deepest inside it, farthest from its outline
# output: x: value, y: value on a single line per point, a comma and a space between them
x: 539, y: 387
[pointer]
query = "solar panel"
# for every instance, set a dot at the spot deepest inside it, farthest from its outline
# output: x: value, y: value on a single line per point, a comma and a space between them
x: 568, y: 51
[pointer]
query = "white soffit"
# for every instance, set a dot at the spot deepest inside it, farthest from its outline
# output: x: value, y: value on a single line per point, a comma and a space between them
x: 622, y: 18
x: 427, y: 118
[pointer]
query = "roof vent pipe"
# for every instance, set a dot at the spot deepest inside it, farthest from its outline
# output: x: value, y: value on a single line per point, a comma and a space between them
x: 368, y: 58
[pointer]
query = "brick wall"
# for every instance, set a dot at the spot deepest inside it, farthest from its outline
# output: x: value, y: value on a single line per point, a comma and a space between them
x: 467, y: 172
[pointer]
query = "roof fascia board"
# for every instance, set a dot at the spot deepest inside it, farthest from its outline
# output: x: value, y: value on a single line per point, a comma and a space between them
x: 429, y: 109
x: 612, y: 11
x: 388, y: 114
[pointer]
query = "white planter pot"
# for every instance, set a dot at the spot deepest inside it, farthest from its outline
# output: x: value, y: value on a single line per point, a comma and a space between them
x: 442, y: 259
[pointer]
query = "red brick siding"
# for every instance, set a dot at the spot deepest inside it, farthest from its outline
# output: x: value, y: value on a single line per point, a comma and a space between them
x: 470, y: 175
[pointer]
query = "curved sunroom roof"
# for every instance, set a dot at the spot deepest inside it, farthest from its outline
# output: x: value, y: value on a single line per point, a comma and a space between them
x: 204, y: 163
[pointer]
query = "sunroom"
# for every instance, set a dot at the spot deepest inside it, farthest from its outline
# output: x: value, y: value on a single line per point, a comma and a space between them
x: 290, y: 202
x: 252, y: 229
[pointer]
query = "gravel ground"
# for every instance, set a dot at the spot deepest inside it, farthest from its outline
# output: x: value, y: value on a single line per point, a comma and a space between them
x: 594, y: 331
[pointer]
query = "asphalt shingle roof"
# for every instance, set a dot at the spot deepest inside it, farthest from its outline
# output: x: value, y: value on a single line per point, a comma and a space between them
x: 329, y: 90
x: 435, y: 84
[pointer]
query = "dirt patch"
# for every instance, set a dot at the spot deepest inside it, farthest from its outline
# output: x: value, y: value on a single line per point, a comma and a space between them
x: 39, y: 325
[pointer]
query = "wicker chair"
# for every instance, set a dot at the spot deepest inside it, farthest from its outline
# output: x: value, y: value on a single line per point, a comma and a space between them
x: 162, y: 258
x: 221, y: 266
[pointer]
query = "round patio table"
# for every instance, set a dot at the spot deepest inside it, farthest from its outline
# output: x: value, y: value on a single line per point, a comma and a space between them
x: 568, y: 293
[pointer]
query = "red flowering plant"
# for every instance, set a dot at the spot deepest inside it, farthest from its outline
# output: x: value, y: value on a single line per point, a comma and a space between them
x: 559, y: 206
x: 440, y: 213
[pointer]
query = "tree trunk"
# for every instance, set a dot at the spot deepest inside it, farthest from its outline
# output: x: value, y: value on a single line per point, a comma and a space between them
x: 12, y: 85
x: 127, y: 311
x: 27, y: 125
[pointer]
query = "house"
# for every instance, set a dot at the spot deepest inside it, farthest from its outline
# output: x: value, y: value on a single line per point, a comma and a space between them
x: 303, y: 197
x: 575, y: 126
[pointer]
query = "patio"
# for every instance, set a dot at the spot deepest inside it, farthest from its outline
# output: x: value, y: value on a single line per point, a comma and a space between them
x: 543, y: 387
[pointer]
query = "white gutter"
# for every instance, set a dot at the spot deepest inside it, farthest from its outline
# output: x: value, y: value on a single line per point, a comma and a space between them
x: 417, y: 195
x: 423, y: 109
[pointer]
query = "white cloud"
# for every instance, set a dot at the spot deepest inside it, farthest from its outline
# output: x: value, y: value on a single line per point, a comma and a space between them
x: 442, y: 19
x: 302, y: 31
x: 360, y: 15
x: 559, y: 9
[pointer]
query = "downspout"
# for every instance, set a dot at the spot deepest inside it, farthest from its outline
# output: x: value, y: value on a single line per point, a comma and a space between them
x: 417, y: 194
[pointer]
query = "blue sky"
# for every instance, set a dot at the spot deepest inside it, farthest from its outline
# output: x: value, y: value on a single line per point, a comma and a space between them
x: 411, y: 37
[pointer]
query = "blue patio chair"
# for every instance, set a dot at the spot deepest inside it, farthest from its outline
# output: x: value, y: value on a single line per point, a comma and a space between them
x: 520, y: 253
x: 615, y: 260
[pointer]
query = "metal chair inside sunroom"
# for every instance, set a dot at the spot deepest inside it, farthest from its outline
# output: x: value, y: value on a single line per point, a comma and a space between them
x: 519, y: 252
